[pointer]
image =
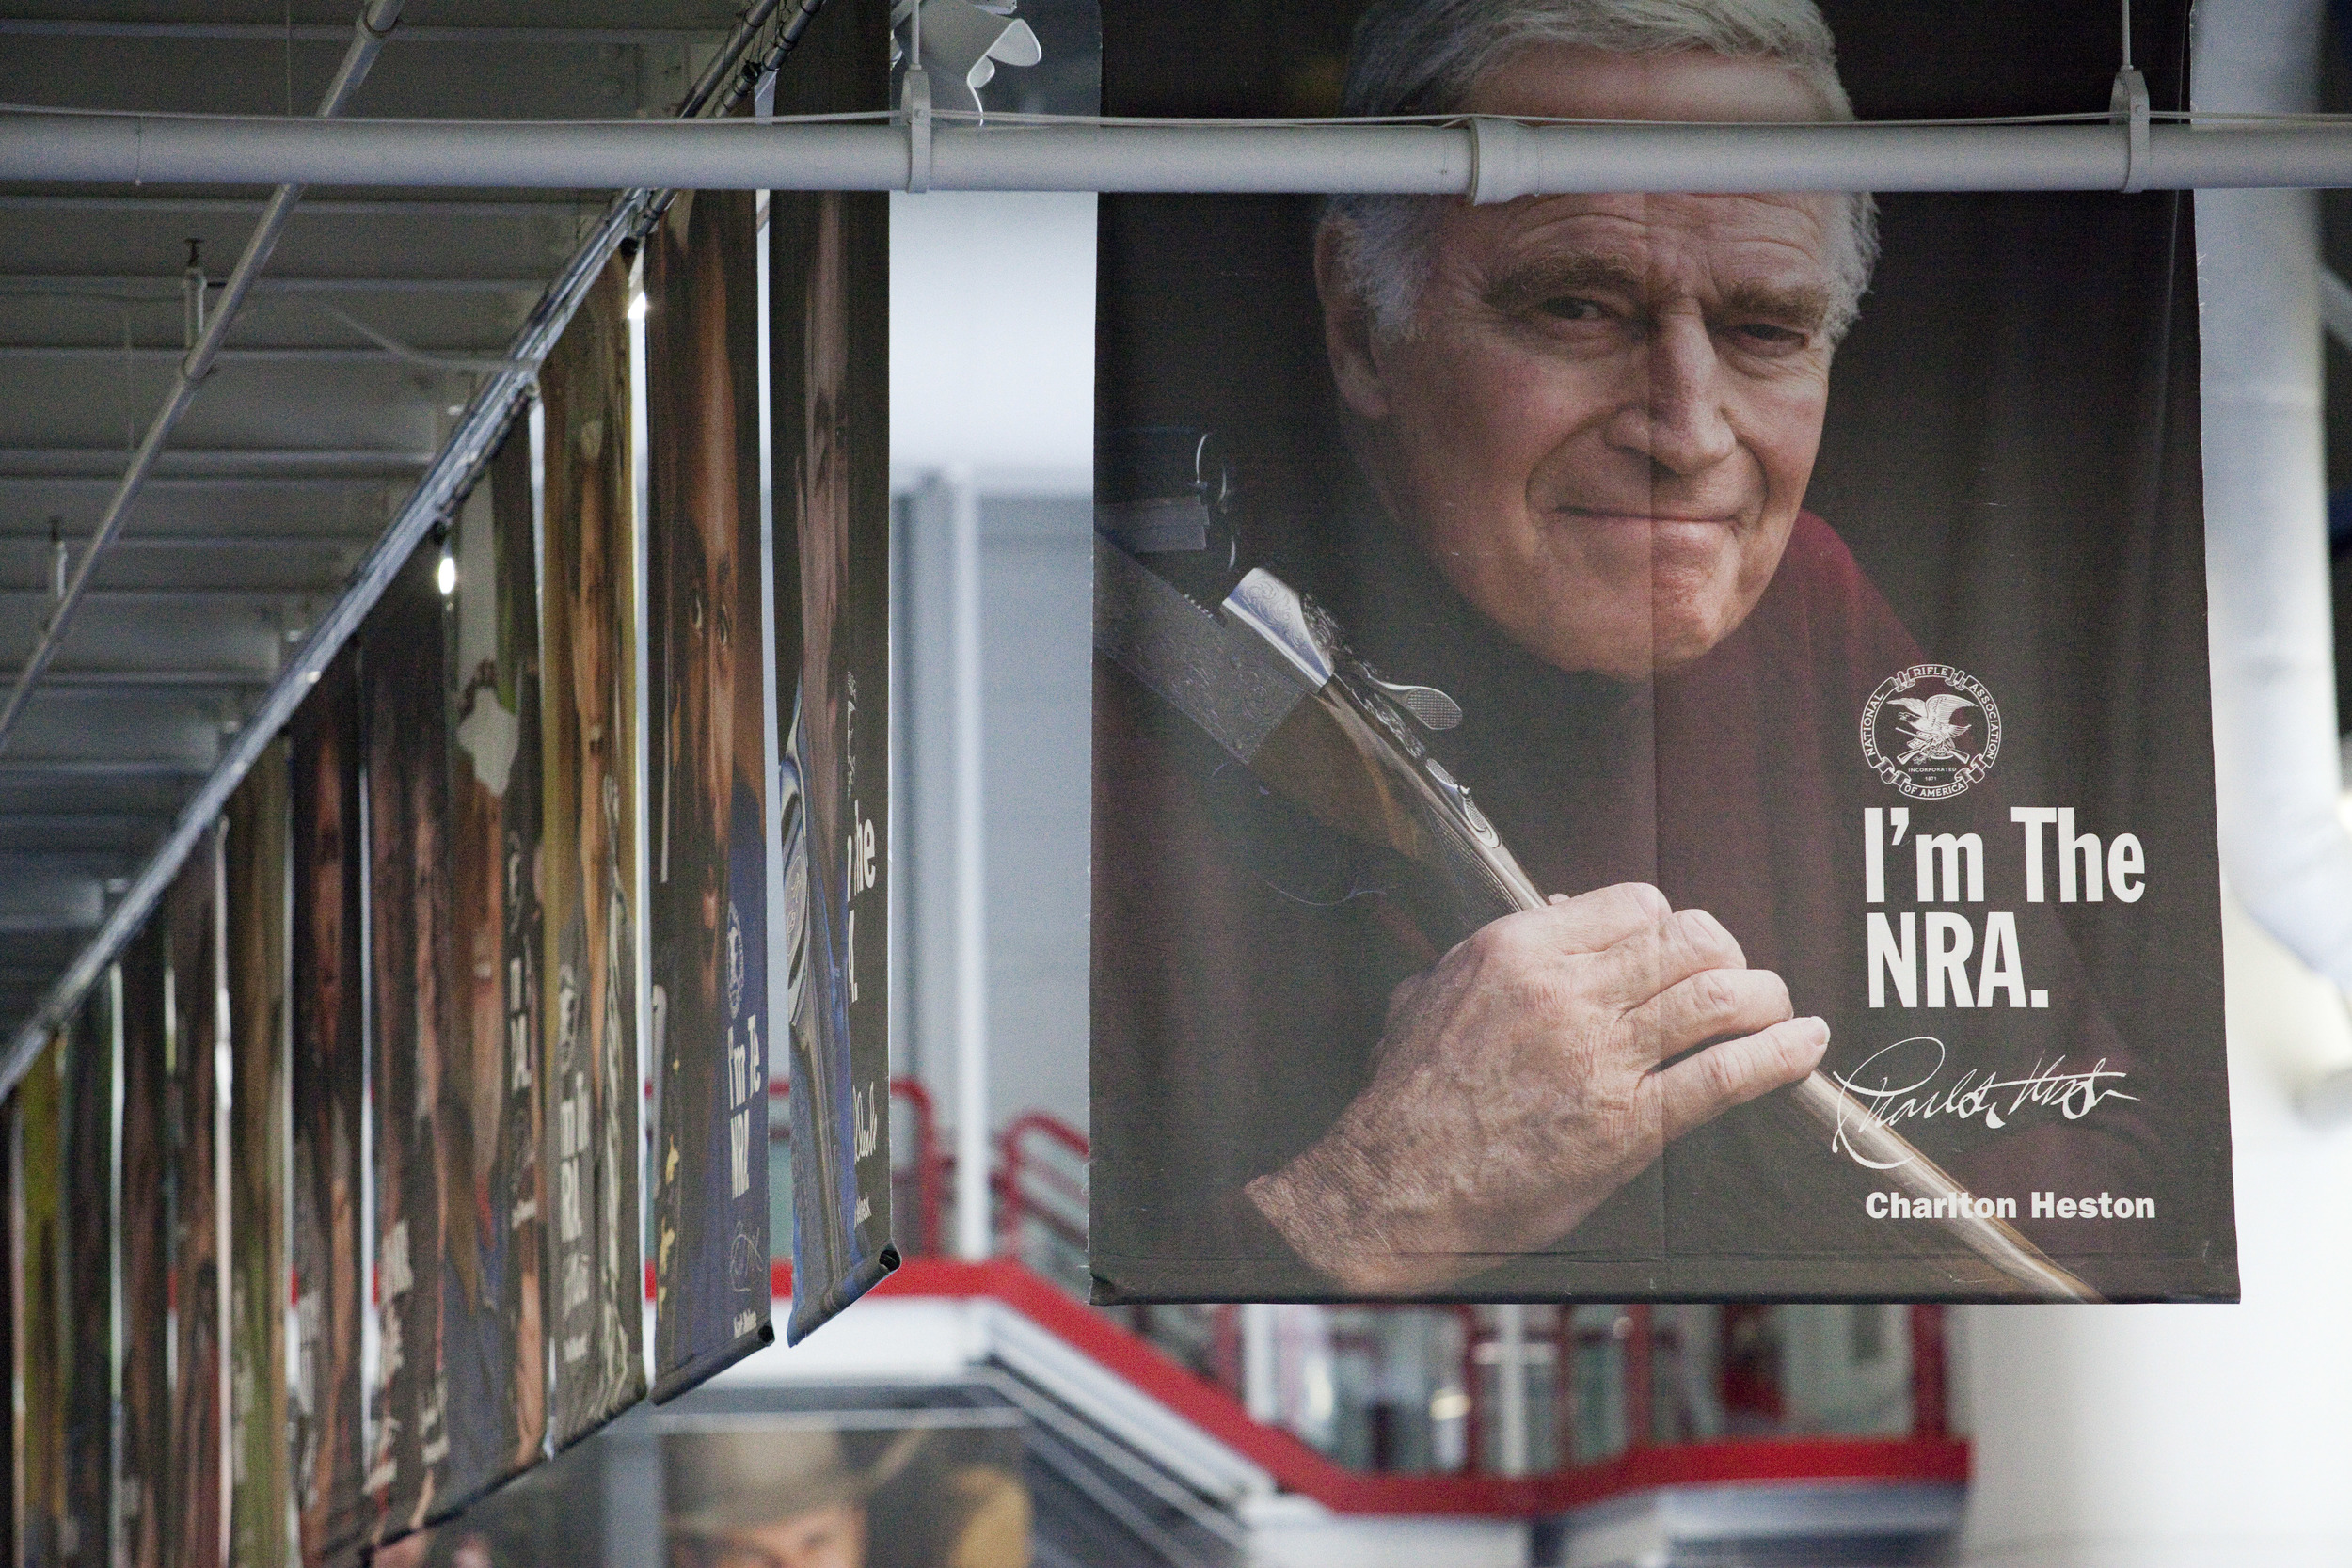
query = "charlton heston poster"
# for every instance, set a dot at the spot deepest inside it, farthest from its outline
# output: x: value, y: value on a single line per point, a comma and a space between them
x: 1652, y: 746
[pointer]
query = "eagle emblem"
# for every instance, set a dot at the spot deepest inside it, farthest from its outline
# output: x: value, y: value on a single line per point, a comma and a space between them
x: 1926, y: 751
x: 1934, y: 735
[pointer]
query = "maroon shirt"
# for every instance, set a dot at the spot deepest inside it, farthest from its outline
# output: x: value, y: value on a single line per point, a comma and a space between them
x: 1244, y: 955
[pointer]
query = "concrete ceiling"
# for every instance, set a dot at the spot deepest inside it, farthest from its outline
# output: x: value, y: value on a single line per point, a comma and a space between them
x: 370, y: 331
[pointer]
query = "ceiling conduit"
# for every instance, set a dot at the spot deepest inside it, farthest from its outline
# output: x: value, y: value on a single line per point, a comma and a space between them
x: 375, y: 23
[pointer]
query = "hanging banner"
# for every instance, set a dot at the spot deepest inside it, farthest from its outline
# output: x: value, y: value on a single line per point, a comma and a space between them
x: 326, y: 1086
x: 196, y: 1516
x: 143, y: 1452
x: 829, y: 327
x: 594, y: 1280
x: 89, y: 1195
x: 255, y: 851
x: 1538, y: 639
x: 37, y: 1169
x: 495, y: 1353
x: 706, y: 739
x: 414, y: 1020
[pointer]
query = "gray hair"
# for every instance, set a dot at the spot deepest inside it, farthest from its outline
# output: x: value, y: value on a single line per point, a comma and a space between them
x: 1426, y: 56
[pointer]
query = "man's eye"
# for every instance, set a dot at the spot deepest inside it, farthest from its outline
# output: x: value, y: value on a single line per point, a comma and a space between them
x: 1771, y: 338
x: 1567, y: 308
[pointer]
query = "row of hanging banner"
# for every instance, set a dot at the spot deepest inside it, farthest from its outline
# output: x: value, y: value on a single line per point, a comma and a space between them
x: 1645, y: 747
x: 344, y: 1194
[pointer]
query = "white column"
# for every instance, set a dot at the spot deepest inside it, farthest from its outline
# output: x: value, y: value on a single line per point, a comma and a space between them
x: 974, y: 1232
x: 2170, y: 1436
x: 2155, y: 1436
x: 1511, y: 1387
x: 1261, y: 1363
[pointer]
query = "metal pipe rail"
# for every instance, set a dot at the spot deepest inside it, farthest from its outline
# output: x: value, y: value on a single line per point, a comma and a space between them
x: 1488, y: 160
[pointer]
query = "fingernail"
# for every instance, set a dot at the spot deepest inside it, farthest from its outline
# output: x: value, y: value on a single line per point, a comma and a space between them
x: 1821, y: 1025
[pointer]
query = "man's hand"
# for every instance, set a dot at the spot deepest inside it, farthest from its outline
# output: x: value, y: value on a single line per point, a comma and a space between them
x: 1520, y: 1084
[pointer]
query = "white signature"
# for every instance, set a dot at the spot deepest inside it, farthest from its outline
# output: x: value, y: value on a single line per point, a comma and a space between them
x: 2074, y: 1095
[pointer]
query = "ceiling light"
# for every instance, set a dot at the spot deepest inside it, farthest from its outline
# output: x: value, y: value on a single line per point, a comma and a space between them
x: 445, y: 575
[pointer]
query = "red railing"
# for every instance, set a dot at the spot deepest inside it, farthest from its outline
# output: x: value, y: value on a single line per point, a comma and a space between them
x: 1039, y: 1191
x: 1298, y: 1467
x: 927, y: 1173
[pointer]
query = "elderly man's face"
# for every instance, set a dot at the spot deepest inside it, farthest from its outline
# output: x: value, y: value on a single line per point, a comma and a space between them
x: 1602, y: 424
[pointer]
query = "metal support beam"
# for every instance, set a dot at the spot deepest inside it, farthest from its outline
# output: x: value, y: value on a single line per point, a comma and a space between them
x: 103, y: 767
x: 206, y: 481
x: 469, y: 358
x: 1488, y: 160
x: 470, y: 445
x: 77, y: 680
x: 72, y: 462
x: 328, y: 207
x: 208, y: 596
x: 280, y: 542
x: 376, y: 22
x: 271, y: 33
x: 166, y: 287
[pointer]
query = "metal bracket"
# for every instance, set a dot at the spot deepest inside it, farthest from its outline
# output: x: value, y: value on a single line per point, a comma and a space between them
x: 915, y: 105
x: 1500, y: 168
x: 2127, y: 106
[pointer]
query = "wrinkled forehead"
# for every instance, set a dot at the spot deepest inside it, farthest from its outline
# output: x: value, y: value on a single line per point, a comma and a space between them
x: 1659, y: 246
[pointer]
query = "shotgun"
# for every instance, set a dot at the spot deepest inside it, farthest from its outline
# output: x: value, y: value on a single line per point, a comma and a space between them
x: 1269, y: 676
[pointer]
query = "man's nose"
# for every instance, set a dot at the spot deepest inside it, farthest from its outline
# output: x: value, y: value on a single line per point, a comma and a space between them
x: 1680, y: 425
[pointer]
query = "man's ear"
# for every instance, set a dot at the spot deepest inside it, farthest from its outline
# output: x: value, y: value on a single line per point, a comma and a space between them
x: 1347, y: 331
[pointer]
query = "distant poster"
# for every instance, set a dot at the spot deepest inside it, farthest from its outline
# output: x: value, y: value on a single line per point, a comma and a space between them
x: 1652, y: 746
x: 256, y: 856
x: 414, y: 1018
x: 495, y: 1354
x: 142, y: 1477
x: 83, y: 1537
x: 707, y: 739
x: 828, y: 281
x: 327, y: 1083
x: 195, y: 1499
x: 594, y: 1279
x: 37, y: 1160
x: 862, y: 1492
